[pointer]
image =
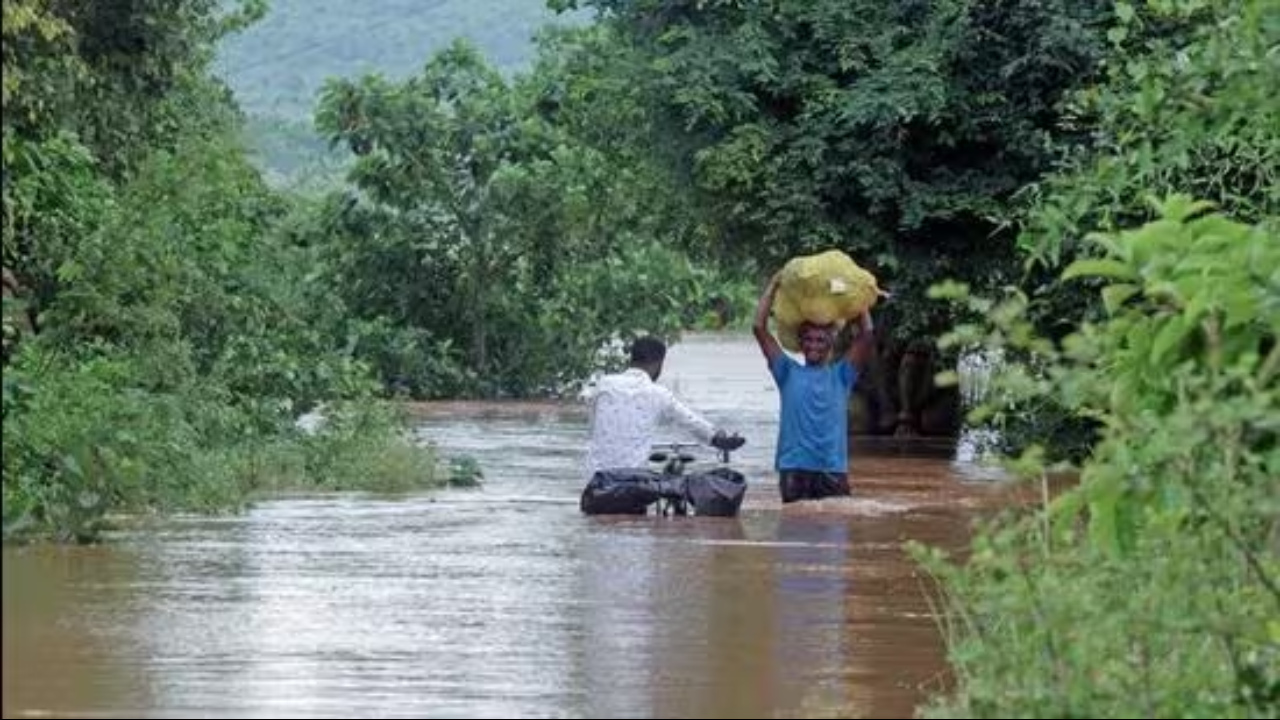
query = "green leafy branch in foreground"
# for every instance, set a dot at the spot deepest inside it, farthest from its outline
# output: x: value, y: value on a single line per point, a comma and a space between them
x: 1152, y: 588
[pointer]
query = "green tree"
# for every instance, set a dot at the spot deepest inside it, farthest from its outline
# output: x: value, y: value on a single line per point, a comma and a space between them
x: 1184, y: 107
x: 171, y: 329
x: 895, y: 131
x: 494, y: 242
x: 1150, y: 588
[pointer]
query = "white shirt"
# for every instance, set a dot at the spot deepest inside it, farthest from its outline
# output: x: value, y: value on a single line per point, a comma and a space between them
x: 626, y: 410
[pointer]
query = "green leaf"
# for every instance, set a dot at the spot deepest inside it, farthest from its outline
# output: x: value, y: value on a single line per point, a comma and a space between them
x: 1241, y: 307
x: 1173, y: 332
x: 1180, y: 208
x: 1114, y: 296
x: 1103, y: 523
x: 1099, y: 267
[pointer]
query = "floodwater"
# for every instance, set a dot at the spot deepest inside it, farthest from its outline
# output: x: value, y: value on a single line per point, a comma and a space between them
x: 504, y: 601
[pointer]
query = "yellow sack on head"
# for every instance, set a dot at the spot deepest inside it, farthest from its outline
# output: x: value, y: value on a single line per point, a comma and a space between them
x: 824, y: 288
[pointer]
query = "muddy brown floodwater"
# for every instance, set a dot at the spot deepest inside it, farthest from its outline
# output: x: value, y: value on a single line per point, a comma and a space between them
x: 504, y: 601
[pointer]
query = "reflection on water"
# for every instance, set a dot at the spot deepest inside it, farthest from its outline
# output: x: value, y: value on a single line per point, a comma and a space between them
x: 504, y: 601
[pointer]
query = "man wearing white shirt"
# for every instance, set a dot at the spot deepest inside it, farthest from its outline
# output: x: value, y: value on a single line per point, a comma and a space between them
x: 628, y: 407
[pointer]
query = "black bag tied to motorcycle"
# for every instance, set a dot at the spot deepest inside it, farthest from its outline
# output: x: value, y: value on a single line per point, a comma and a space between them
x: 717, y: 492
x: 623, y: 491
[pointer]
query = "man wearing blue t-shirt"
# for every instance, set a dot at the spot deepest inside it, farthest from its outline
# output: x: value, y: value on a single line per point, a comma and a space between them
x: 813, y: 433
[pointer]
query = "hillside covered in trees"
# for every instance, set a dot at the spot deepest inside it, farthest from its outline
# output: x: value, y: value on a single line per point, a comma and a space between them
x: 277, y: 66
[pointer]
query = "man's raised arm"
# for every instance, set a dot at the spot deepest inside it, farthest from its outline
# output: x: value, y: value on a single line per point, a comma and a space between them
x: 768, y: 343
x: 863, y: 344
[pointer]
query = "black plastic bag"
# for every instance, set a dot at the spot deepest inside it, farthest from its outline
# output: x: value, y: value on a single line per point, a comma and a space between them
x: 717, y: 492
x: 624, y: 491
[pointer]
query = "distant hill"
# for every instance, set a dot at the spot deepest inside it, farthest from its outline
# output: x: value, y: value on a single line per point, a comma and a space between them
x: 278, y: 66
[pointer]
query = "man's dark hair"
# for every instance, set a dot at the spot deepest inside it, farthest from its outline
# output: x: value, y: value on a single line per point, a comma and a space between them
x: 647, y: 350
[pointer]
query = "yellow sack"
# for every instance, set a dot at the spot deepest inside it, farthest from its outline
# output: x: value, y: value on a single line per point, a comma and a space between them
x: 825, y: 288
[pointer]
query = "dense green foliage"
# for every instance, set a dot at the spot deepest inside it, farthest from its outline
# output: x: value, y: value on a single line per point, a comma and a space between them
x: 895, y: 131
x: 498, y: 251
x: 161, y: 331
x: 472, y: 232
x: 1153, y: 588
x: 1185, y: 107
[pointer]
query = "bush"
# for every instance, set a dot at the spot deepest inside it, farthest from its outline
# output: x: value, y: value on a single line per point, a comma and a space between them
x: 1152, y: 589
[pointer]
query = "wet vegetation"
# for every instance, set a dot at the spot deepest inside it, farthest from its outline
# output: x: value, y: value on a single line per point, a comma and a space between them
x: 1089, y: 188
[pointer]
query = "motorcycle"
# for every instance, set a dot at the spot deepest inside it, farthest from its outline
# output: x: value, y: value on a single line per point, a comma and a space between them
x: 715, y: 492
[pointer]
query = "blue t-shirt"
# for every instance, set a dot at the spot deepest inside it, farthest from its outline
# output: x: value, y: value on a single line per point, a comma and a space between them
x: 814, y: 431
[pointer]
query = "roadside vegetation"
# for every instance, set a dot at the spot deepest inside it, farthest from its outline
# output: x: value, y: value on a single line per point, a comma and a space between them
x: 1089, y: 190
